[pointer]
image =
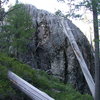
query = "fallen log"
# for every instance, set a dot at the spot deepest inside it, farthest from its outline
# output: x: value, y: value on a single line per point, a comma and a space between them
x: 83, y: 65
x: 28, y: 89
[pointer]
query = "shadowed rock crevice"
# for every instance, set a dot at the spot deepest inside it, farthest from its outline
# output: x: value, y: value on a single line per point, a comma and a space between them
x: 66, y: 68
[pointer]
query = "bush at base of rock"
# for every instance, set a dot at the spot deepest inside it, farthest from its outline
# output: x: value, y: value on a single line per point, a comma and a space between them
x: 39, y: 79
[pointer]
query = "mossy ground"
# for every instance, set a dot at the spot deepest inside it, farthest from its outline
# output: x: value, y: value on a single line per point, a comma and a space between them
x: 39, y: 79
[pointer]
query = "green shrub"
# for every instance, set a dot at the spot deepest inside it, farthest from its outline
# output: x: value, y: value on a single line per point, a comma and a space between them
x: 39, y: 79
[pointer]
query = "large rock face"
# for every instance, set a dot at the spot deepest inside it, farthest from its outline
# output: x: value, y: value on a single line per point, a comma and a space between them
x: 50, y: 49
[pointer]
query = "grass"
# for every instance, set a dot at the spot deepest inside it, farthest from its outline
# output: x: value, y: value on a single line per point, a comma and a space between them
x: 39, y: 79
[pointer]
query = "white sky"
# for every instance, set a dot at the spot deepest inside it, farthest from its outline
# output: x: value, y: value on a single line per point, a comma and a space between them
x: 49, y: 5
x: 52, y: 6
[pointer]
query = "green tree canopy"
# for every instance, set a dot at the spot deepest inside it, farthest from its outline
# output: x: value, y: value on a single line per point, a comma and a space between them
x: 18, y: 30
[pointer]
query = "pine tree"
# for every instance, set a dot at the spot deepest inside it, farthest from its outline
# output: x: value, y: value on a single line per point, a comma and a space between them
x: 97, y: 63
x: 17, y: 32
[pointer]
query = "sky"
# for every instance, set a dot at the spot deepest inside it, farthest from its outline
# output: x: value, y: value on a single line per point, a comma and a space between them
x: 49, y: 5
x: 52, y: 6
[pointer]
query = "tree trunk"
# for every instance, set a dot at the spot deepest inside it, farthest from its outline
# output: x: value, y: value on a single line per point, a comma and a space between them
x: 96, y: 38
x: 28, y: 89
x: 83, y: 65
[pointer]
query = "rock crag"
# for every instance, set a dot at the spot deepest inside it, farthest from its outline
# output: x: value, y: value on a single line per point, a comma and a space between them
x: 51, y: 51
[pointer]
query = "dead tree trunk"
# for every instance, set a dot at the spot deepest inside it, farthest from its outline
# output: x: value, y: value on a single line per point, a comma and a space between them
x: 86, y: 73
x: 28, y: 89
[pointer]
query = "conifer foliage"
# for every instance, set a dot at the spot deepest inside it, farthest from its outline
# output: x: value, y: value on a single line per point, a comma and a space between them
x: 17, y: 31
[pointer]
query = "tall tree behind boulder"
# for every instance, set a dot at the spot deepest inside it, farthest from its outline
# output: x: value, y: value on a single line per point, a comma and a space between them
x: 18, y: 30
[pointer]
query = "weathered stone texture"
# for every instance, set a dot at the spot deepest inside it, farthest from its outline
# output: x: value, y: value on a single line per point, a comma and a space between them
x: 50, y: 49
